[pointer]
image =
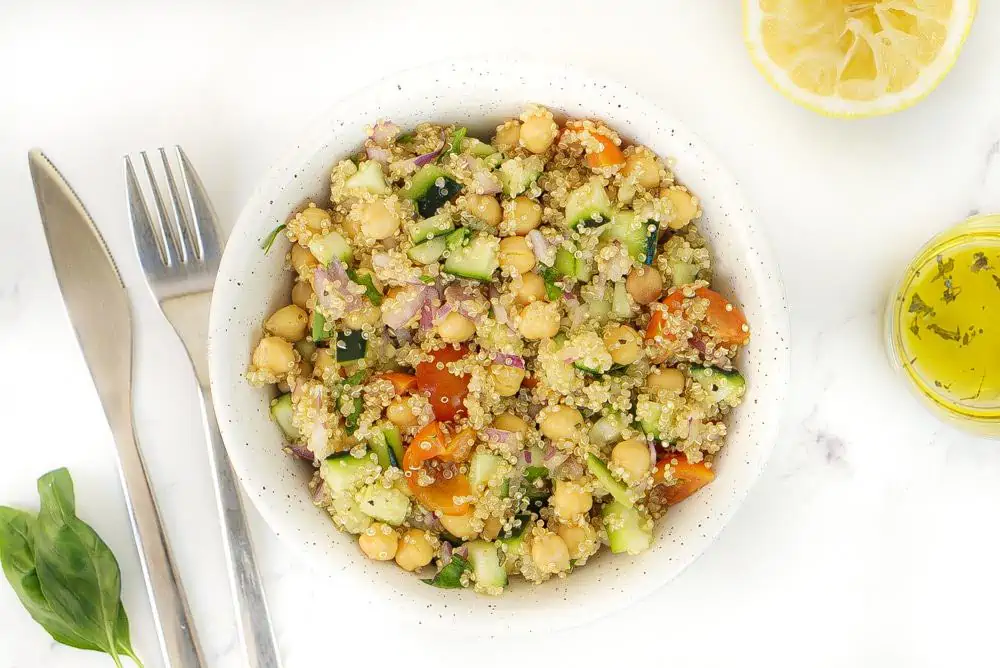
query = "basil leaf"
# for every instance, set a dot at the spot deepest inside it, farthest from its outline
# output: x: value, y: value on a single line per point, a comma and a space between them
x: 78, y: 573
x: 355, y: 378
x: 17, y: 556
x: 450, y: 577
x: 552, y: 291
x: 269, y: 241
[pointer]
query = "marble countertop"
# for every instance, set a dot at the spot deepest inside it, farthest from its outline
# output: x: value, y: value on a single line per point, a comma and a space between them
x: 870, y: 540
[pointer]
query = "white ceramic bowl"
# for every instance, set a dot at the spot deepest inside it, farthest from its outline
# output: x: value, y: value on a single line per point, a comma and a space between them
x: 481, y: 94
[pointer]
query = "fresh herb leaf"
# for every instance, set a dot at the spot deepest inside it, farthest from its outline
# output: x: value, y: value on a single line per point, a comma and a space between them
x: 996, y: 279
x: 351, y: 419
x: 944, y: 333
x: 552, y: 291
x: 320, y: 331
x: 918, y: 305
x: 64, y: 574
x: 374, y: 296
x: 355, y: 378
x: 979, y: 262
x: 269, y: 241
x: 427, y: 280
x: 455, y: 144
x: 405, y: 138
x: 944, y: 267
x: 450, y: 577
x: 950, y: 292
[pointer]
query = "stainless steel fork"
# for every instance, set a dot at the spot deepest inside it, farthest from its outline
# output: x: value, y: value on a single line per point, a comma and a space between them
x: 180, y: 254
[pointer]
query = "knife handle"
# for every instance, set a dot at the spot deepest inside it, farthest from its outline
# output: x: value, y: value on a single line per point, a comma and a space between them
x: 171, y: 615
x: 253, y: 618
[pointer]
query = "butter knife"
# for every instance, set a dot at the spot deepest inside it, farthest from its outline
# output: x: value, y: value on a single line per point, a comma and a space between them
x: 98, y: 308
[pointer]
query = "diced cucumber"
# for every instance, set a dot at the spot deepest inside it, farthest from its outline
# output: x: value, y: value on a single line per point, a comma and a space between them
x: 653, y: 417
x: 683, y: 272
x: 456, y: 239
x: 652, y: 239
x: 354, y: 405
x: 351, y: 345
x: 565, y: 264
x: 517, y: 174
x: 281, y: 412
x: 493, y: 160
x: 512, y: 543
x: 431, y: 187
x: 320, y: 330
x: 478, y: 149
x: 720, y: 386
x: 478, y: 260
x: 429, y: 251
x: 537, y: 484
x: 343, y: 472
x: 306, y: 349
x: 487, y: 570
x: 588, y: 205
x: 612, y: 485
x: 428, y: 228
x: 387, y: 444
x: 483, y: 467
x: 584, y: 270
x: 387, y: 505
x: 329, y: 246
x: 346, y: 513
x: 620, y: 304
x: 629, y: 531
x: 368, y: 177
x: 608, y: 429
x: 633, y: 233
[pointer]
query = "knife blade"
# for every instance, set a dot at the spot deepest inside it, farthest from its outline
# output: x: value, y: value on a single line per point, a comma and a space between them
x: 98, y: 308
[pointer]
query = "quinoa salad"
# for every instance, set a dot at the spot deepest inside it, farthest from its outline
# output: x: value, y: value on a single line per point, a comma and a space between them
x: 501, y: 357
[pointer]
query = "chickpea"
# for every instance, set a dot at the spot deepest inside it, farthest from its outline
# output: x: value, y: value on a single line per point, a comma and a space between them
x: 366, y: 315
x: 378, y: 221
x: 685, y: 206
x: 316, y: 219
x: 351, y: 227
x: 523, y: 215
x: 516, y: 254
x: 510, y: 422
x: 289, y: 322
x: 483, y: 207
x: 274, y: 354
x: 507, y: 136
x: 459, y: 526
x: 506, y: 379
x: 550, y: 554
x: 570, y: 500
x: 302, y: 292
x: 379, y: 542
x: 325, y: 364
x: 633, y: 457
x: 561, y: 422
x: 538, y: 131
x: 539, y: 320
x: 492, y: 528
x: 415, y: 550
x: 624, y: 344
x: 665, y: 379
x: 400, y: 412
x: 580, y: 539
x: 303, y: 261
x: 455, y: 328
x: 532, y: 289
x: 644, y: 284
x: 642, y: 165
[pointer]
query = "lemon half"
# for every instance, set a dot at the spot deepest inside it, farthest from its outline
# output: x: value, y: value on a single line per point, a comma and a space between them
x: 855, y: 58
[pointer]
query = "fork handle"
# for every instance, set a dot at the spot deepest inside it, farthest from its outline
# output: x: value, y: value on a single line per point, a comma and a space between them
x: 252, y: 616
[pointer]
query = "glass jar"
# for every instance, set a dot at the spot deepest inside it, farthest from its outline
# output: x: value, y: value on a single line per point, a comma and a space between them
x: 942, y: 323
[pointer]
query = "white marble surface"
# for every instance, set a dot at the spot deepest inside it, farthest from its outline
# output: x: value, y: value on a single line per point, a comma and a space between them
x: 871, y: 539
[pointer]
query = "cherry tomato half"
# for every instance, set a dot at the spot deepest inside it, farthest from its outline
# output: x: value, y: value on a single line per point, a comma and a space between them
x: 722, y: 319
x: 446, y: 391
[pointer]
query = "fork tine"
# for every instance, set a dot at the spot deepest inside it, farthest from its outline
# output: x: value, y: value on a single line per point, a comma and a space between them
x: 189, y: 242
x: 143, y: 236
x: 163, y: 226
x: 205, y: 226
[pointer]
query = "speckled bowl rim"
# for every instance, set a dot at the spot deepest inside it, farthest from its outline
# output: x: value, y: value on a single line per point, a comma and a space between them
x: 250, y: 284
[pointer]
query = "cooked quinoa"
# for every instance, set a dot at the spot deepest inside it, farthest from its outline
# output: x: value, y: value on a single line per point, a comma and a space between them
x: 501, y: 357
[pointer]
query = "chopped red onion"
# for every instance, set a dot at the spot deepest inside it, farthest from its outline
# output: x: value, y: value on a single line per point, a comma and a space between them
x: 550, y: 452
x: 543, y: 250
x: 321, y: 495
x: 526, y: 456
x: 508, y: 359
x: 462, y: 551
x: 499, y: 435
x: 446, y: 550
x: 466, y: 300
x: 334, y: 280
x: 301, y: 451
x: 500, y: 312
x: 403, y: 306
x: 486, y: 183
x: 426, y: 158
x: 384, y: 133
x: 318, y: 437
x: 652, y: 453
x: 378, y: 154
